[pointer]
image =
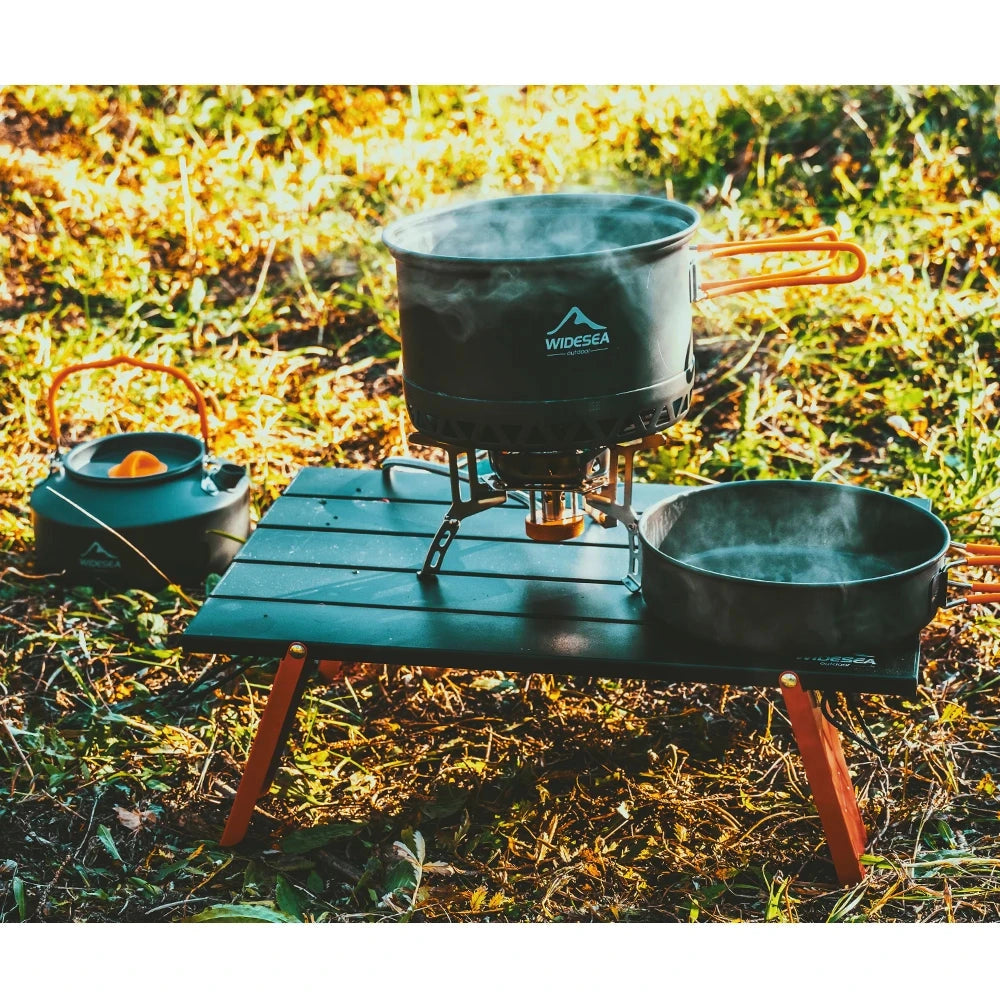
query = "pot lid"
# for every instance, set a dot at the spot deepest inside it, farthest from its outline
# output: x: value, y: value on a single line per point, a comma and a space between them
x: 103, y: 460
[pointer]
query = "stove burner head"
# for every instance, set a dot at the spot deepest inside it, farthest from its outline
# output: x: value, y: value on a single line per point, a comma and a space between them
x: 551, y: 519
x: 553, y: 480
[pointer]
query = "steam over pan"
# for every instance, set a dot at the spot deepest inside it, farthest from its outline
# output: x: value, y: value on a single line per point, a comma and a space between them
x: 794, y: 566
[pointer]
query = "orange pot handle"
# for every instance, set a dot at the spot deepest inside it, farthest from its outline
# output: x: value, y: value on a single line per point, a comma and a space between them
x: 825, y: 240
x: 978, y: 548
x: 124, y: 359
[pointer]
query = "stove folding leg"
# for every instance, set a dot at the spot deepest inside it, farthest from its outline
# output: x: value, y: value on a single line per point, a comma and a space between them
x: 832, y: 789
x: 269, y: 741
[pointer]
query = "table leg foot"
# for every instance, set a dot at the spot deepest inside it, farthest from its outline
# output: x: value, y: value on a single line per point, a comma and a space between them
x: 832, y: 790
x: 269, y: 741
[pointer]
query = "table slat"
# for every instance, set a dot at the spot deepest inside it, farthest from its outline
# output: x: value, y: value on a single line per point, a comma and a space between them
x: 466, y: 557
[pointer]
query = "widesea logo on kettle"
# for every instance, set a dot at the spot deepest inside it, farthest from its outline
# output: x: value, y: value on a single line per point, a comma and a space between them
x: 576, y: 334
x: 98, y: 557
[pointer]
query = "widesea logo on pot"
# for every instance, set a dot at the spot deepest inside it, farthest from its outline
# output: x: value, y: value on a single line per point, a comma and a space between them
x: 576, y: 334
x: 98, y: 557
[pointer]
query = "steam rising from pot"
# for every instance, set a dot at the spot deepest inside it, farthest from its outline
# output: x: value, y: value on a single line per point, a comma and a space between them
x: 511, y: 245
x: 532, y: 228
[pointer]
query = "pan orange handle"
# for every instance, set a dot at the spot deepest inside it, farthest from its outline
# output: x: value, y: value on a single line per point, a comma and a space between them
x: 980, y: 549
x: 124, y: 359
x: 823, y: 240
x: 982, y: 599
x: 982, y: 560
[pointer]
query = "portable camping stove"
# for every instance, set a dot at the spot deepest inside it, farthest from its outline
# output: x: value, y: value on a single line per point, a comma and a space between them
x: 560, y: 489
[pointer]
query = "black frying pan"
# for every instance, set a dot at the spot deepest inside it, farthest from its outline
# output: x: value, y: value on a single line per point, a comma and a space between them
x: 794, y: 566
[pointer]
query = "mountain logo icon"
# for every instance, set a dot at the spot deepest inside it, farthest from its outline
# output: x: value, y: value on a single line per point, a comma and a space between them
x: 577, y: 334
x: 98, y: 557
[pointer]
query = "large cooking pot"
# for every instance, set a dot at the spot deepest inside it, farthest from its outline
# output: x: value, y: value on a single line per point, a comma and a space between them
x: 143, y: 509
x: 799, y: 567
x: 554, y: 322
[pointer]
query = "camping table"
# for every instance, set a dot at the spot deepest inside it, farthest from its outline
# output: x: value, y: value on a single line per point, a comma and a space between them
x: 329, y: 577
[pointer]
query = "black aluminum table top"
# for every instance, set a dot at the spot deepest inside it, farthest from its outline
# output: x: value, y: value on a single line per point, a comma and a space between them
x: 333, y: 565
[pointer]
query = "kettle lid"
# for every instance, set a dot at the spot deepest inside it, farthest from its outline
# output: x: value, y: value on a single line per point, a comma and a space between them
x: 101, y: 460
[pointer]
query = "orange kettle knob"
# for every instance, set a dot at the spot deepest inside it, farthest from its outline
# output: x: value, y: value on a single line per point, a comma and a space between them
x: 136, y: 464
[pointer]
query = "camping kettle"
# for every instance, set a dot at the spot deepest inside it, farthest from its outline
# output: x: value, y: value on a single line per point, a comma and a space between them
x: 143, y: 509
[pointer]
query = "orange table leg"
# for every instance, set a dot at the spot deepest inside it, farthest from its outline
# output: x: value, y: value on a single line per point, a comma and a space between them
x: 829, y: 780
x: 331, y: 671
x: 269, y: 741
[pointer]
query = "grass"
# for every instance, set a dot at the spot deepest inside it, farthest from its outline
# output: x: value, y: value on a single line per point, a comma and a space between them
x: 234, y: 232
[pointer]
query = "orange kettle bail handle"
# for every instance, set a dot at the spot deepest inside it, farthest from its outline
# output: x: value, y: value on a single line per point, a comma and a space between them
x: 124, y: 359
x: 825, y: 240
